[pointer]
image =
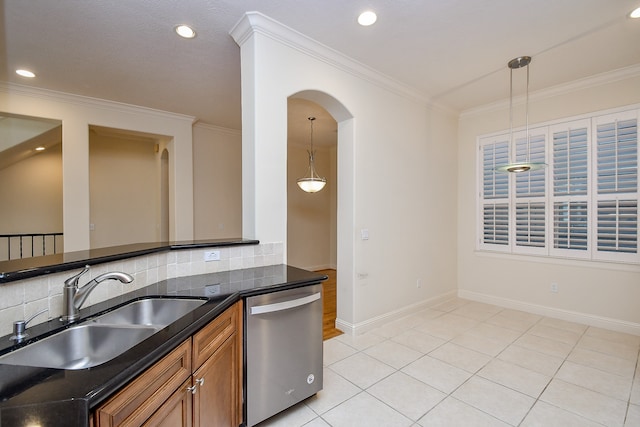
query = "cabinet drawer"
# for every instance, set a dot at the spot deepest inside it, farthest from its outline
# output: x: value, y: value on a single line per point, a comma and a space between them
x: 211, y: 337
x: 137, y: 402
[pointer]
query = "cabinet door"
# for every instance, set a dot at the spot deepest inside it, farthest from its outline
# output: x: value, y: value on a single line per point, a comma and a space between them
x: 216, y: 400
x: 208, y: 339
x: 139, y: 400
x: 176, y: 410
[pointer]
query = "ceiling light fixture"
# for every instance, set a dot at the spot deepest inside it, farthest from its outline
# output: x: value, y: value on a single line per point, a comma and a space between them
x: 635, y: 13
x: 185, y: 31
x: 40, y: 148
x: 367, y: 18
x: 311, y: 182
x: 526, y: 166
x: 25, y: 73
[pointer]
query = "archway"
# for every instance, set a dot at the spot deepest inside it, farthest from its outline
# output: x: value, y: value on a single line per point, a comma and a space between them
x: 339, y: 214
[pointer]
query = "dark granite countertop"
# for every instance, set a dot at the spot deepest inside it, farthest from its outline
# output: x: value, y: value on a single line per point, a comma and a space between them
x: 54, y: 397
x: 25, y: 268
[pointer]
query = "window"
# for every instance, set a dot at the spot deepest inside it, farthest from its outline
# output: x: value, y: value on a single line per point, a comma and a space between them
x: 495, y: 211
x: 617, y: 185
x: 570, y: 170
x: 584, y: 204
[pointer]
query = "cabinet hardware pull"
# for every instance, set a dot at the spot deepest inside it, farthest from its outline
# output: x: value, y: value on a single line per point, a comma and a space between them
x: 192, y: 389
x: 200, y: 382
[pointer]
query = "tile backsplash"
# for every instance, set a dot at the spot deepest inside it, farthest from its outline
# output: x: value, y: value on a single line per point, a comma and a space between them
x: 23, y: 298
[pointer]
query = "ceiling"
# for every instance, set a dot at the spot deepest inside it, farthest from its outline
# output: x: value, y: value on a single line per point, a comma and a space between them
x: 452, y: 52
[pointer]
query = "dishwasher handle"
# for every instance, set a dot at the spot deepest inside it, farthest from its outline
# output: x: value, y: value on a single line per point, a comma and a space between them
x: 285, y: 305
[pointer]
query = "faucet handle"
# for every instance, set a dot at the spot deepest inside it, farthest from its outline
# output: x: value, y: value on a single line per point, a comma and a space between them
x: 73, y: 280
x: 20, y: 326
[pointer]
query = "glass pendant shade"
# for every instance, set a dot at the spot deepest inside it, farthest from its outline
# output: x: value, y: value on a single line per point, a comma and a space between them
x: 311, y: 182
x: 526, y: 166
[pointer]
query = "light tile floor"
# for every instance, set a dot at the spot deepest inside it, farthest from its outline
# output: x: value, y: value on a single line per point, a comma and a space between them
x: 465, y: 363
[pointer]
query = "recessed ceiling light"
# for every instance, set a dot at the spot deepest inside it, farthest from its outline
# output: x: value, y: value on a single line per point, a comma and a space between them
x: 25, y: 73
x: 367, y: 18
x: 185, y: 31
x: 39, y: 148
x: 635, y: 13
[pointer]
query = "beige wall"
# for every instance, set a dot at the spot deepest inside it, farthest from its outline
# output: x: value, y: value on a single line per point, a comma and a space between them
x: 31, y: 194
x: 124, y: 188
x: 311, y: 217
x: 605, y: 294
x: 77, y: 113
x: 31, y: 191
x: 217, y: 182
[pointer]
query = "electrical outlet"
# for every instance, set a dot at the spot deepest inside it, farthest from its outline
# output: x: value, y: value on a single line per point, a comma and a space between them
x: 211, y: 256
x: 554, y: 288
x: 211, y: 290
x: 418, y: 283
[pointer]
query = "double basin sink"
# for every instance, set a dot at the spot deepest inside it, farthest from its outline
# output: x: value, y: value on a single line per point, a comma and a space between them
x: 102, y: 338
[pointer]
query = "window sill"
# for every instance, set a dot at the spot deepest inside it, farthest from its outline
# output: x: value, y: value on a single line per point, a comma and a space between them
x: 572, y: 262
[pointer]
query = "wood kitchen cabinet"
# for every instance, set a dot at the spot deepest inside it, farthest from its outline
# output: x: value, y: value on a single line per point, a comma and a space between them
x: 198, y: 384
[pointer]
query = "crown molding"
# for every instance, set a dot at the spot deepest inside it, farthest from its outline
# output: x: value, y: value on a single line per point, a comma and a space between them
x: 219, y: 129
x: 256, y: 22
x: 574, y: 86
x: 79, y: 100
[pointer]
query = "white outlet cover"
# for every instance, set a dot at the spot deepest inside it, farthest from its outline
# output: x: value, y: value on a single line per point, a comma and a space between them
x: 211, y: 290
x: 211, y: 256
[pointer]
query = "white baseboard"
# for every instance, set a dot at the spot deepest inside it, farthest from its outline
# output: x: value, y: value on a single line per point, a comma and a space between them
x: 571, y: 316
x: 375, y: 322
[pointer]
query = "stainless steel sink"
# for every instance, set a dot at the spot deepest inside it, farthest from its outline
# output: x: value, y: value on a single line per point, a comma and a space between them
x: 101, y: 339
x: 79, y: 347
x: 150, y: 312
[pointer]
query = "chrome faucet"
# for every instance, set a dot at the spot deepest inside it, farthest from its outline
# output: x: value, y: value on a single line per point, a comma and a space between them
x: 74, y: 296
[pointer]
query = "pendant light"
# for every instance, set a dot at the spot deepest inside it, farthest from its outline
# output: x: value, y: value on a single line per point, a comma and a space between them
x: 311, y: 182
x: 526, y: 166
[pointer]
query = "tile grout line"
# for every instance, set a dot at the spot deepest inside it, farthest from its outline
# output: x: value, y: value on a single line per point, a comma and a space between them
x: 633, y: 380
x: 554, y: 375
x: 394, y: 333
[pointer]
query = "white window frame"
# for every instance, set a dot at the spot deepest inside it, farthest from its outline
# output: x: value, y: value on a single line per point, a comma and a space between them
x: 592, y: 253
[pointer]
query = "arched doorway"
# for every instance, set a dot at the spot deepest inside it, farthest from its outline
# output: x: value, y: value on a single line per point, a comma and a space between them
x: 312, y: 217
x: 335, y: 206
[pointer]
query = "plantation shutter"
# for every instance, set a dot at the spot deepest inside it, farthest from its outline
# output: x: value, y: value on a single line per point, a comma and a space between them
x: 495, y: 194
x: 617, y: 186
x: 583, y: 205
x: 530, y: 211
x: 570, y: 143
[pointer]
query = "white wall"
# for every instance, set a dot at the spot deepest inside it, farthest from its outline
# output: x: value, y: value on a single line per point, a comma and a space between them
x: 396, y: 171
x: 603, y: 294
x: 76, y: 114
x: 217, y: 182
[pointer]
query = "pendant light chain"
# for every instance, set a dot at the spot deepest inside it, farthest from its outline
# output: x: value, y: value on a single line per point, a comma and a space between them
x: 511, y: 142
x: 528, y: 153
x: 313, y: 182
x: 513, y: 164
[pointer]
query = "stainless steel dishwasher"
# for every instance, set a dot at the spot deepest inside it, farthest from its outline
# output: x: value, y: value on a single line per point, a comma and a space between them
x: 283, y: 351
